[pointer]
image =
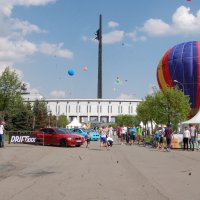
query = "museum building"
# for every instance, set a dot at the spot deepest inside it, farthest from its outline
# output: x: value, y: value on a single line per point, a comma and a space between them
x: 89, y: 110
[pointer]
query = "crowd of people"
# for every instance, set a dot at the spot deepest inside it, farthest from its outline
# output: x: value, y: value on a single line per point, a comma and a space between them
x: 190, y: 137
x: 106, y: 134
x: 161, y: 138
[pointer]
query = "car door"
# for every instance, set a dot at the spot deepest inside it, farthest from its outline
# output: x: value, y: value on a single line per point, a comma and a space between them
x: 50, y: 136
x: 42, y: 136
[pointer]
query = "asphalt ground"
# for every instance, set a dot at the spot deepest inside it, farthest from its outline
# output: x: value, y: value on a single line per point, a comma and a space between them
x: 29, y: 172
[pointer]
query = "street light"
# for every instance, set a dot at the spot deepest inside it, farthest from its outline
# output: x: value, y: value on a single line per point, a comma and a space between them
x: 175, y: 81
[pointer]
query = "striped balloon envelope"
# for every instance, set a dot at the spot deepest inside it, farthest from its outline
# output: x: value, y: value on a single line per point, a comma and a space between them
x: 180, y: 66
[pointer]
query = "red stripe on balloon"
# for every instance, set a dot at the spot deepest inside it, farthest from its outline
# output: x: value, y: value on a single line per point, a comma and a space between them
x: 166, y: 70
x: 198, y: 75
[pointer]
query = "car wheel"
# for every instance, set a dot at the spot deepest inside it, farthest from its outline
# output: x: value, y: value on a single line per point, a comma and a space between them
x: 37, y: 142
x: 63, y: 143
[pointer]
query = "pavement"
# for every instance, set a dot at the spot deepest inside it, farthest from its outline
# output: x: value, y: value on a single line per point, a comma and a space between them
x: 124, y: 172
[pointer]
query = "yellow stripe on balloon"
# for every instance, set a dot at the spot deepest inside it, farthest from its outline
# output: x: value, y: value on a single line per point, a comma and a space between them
x: 161, y: 76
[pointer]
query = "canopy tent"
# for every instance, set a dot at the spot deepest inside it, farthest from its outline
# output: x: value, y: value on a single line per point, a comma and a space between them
x: 74, y: 124
x: 194, y: 120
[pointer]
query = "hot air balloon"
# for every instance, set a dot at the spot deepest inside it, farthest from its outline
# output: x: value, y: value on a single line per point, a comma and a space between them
x: 180, y: 66
x: 71, y: 72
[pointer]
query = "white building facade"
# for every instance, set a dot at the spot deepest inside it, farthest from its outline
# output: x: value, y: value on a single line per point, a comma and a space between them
x: 88, y: 110
x: 92, y: 110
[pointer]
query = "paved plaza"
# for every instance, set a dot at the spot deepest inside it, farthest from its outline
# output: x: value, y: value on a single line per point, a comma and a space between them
x: 29, y: 172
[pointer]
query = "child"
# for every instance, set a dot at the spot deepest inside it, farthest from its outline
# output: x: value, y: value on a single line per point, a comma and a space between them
x: 88, y: 139
x: 157, y: 139
x: 109, y: 141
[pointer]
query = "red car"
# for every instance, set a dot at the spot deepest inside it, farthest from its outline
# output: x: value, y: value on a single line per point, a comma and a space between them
x: 57, y: 136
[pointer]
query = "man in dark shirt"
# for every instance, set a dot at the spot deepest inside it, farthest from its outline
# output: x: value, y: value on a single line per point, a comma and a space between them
x: 168, y: 135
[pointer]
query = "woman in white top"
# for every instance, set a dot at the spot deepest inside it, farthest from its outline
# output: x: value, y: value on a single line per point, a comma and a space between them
x: 186, y: 136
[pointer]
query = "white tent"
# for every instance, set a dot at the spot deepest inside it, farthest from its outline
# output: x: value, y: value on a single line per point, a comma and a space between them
x: 194, y: 120
x: 74, y: 124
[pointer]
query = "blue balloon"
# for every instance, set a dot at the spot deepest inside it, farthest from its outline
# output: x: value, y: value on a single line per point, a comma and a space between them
x: 71, y: 72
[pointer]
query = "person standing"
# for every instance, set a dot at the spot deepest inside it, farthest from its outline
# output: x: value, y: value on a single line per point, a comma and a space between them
x: 157, y: 138
x: 161, y: 142
x: 168, y: 135
x: 193, y: 135
x: 104, y: 138
x: 197, y: 138
x: 124, y: 131
x: 88, y: 139
x: 186, y: 136
x: 139, y: 134
x: 2, y: 134
x: 132, y: 132
x: 110, y: 131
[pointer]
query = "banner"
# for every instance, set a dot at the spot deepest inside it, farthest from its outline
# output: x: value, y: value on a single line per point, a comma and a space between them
x: 22, y: 138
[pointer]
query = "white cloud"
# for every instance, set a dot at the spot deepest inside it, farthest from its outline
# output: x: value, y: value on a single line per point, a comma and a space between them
x: 183, y: 22
x: 24, y: 27
x: 57, y: 94
x: 15, y: 48
x: 112, y: 24
x: 156, y: 27
x: 113, y: 37
x: 6, y: 6
x: 15, y: 28
x: 15, y: 51
x: 134, y: 36
x: 55, y: 50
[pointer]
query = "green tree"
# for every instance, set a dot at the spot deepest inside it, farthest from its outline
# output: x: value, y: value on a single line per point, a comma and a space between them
x: 62, y: 121
x: 19, y: 117
x: 162, y: 107
x: 147, y: 110
x: 40, y: 114
x: 127, y: 120
x: 143, y: 112
x: 10, y: 90
x: 12, y: 108
x: 174, y: 106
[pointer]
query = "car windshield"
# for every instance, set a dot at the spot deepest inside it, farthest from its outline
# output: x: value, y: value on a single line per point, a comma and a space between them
x: 60, y: 131
x: 66, y: 131
x: 91, y: 130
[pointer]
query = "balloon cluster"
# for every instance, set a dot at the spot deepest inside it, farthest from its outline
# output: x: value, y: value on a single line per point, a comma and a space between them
x: 71, y: 72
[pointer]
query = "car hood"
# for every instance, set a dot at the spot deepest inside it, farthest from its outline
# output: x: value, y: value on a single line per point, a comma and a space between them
x: 73, y: 135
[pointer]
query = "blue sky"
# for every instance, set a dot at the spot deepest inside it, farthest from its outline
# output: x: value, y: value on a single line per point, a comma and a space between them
x: 43, y: 39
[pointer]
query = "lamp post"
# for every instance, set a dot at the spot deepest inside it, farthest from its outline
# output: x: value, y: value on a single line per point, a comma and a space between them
x: 175, y: 81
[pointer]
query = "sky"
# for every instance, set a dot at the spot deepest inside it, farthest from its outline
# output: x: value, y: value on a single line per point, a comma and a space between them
x: 42, y: 39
